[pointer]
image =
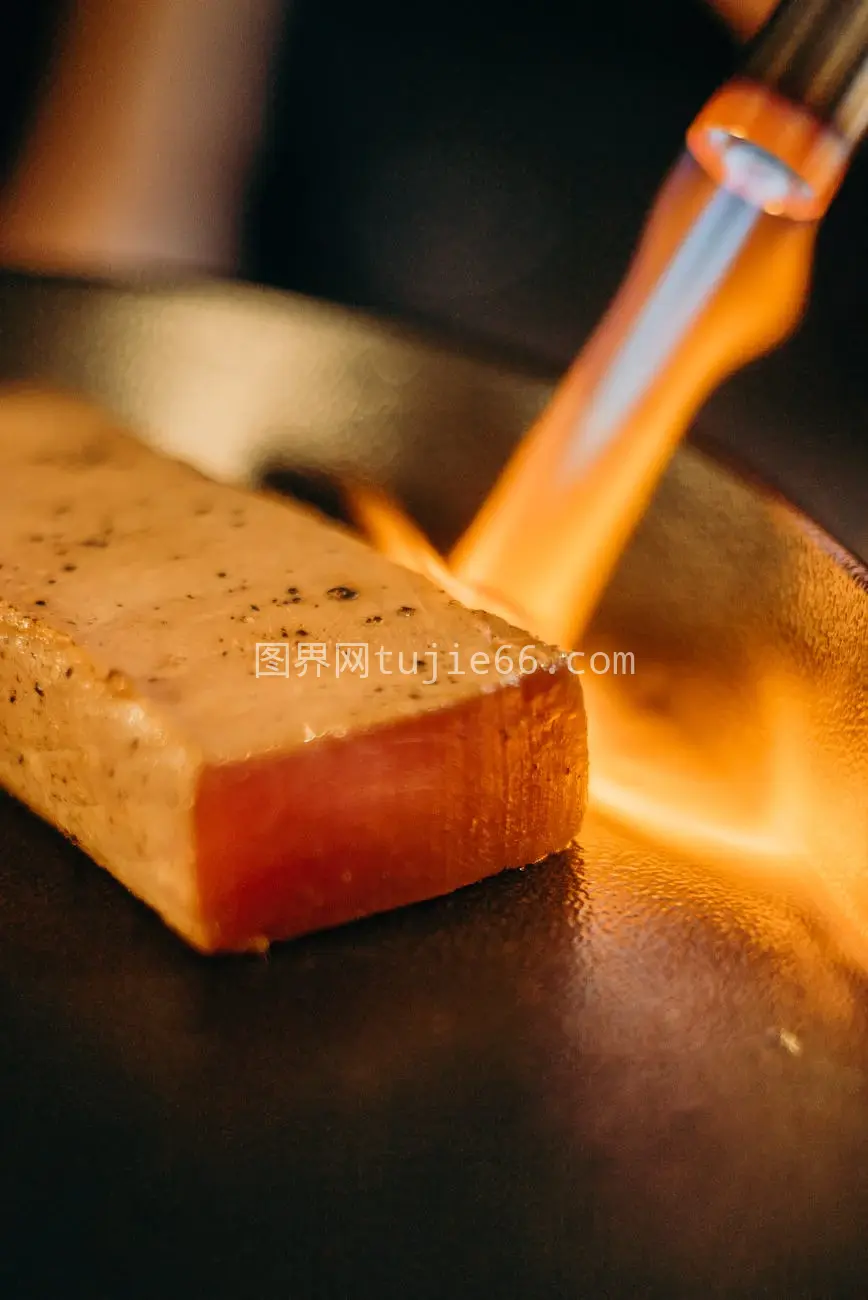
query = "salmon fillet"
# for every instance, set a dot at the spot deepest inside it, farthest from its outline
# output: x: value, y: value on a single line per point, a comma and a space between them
x: 257, y: 724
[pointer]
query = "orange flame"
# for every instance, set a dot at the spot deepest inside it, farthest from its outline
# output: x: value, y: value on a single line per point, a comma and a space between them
x: 547, y: 539
x: 733, y: 783
x: 388, y: 528
x: 726, y: 779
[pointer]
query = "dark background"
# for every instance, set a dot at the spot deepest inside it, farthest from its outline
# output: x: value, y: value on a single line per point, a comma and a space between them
x: 484, y: 168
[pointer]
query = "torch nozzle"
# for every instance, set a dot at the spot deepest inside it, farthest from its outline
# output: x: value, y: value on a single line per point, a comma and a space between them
x: 815, y: 54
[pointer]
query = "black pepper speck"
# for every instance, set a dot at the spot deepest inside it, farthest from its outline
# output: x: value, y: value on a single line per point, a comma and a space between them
x: 406, y: 611
x: 39, y: 602
x: 341, y: 593
x: 374, y: 618
x: 39, y: 691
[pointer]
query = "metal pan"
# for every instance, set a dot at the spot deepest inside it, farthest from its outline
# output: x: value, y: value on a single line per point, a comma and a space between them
x: 640, y: 1069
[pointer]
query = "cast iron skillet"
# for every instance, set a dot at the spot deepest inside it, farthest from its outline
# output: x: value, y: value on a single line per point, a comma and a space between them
x: 636, y: 1070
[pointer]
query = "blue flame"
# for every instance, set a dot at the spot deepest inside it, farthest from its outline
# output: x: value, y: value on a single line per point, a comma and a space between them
x: 684, y: 289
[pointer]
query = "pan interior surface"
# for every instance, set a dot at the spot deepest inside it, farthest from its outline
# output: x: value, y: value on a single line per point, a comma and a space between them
x: 638, y: 1069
